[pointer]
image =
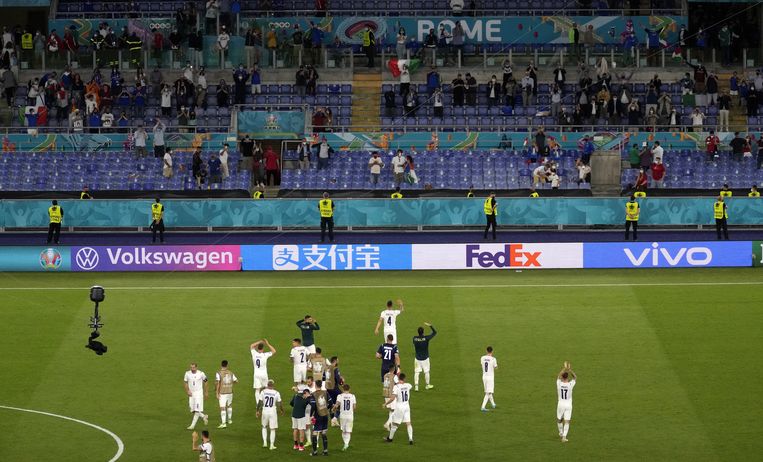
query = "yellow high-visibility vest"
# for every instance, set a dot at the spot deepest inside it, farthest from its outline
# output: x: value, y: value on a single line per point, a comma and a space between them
x: 639, y: 194
x: 470, y: 194
x: 54, y: 212
x: 534, y: 194
x: 632, y: 211
x: 26, y: 41
x: 726, y: 193
x: 157, y: 210
x: 257, y: 195
x: 326, y: 207
x: 489, y: 209
x: 719, y: 210
x: 366, y: 38
x: 396, y: 195
x: 753, y: 194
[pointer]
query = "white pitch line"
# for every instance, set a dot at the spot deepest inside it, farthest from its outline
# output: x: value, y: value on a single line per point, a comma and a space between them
x: 425, y: 286
x: 120, y: 444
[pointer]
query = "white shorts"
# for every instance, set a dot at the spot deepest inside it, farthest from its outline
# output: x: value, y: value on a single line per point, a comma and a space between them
x: 299, y: 424
x: 733, y: 92
x: 421, y: 366
x: 270, y: 420
x: 311, y: 349
x: 564, y: 411
x: 345, y: 424
x: 260, y: 381
x: 196, y: 402
x: 401, y: 415
x: 300, y: 373
x: 226, y: 399
x: 394, y: 335
x: 488, y: 384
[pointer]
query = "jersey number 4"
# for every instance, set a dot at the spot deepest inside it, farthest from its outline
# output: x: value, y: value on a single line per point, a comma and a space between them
x: 389, y: 320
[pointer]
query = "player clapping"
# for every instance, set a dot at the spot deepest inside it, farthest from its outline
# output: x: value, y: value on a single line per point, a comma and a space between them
x: 266, y: 408
x: 565, y: 382
x: 260, y: 362
x: 197, y: 388
x: 388, y: 317
x: 489, y: 364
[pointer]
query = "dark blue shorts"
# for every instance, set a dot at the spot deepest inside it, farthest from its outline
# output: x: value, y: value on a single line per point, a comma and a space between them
x: 321, y: 423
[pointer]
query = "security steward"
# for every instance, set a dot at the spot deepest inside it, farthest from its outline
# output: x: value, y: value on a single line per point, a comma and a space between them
x: 632, y: 211
x: 135, y: 45
x: 397, y: 194
x: 726, y: 192
x: 369, y: 46
x: 27, y: 45
x: 258, y: 193
x: 753, y: 192
x: 56, y: 214
x: 85, y: 194
x: 721, y: 214
x: 470, y: 193
x: 326, y: 207
x: 534, y: 194
x: 157, y: 220
x: 491, y: 210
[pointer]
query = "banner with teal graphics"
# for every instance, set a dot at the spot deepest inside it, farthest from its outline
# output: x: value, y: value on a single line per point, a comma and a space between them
x: 83, y: 29
x: 518, y: 30
x: 271, y: 125
x: 35, y: 258
x: 379, y: 213
x: 90, y: 143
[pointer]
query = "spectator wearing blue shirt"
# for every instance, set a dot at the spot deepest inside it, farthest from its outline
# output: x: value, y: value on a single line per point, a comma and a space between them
x: 139, y: 100
x: 256, y: 80
x: 31, y: 121
x: 629, y: 49
x: 215, y: 169
x: 94, y: 121
x: 653, y: 46
x: 337, y: 52
x: 433, y: 81
x: 588, y: 149
x: 315, y: 35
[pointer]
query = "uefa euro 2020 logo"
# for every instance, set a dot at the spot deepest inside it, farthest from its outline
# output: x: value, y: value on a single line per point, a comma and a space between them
x: 50, y: 259
x: 271, y: 122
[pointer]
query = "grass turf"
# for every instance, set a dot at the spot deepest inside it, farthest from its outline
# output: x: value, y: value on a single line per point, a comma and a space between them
x: 666, y: 363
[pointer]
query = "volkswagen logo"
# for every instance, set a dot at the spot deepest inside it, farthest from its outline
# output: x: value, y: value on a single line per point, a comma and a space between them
x: 87, y: 258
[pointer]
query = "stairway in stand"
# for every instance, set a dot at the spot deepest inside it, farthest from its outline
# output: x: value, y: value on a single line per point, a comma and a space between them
x: 737, y: 114
x: 366, y: 95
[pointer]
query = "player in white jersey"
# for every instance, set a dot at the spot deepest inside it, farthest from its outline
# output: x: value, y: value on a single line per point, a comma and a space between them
x: 205, y: 449
x: 271, y: 400
x: 401, y: 396
x: 197, y: 388
x: 565, y: 382
x: 298, y: 356
x: 488, y: 364
x: 388, y: 317
x: 260, y: 362
x: 224, y: 381
x: 346, y: 404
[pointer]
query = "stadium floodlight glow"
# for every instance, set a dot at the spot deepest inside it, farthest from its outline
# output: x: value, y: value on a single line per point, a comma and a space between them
x: 97, y: 295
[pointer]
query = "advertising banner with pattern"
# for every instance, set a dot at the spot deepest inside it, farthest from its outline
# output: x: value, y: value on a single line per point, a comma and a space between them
x: 666, y: 254
x: 156, y: 258
x: 34, y: 258
x: 328, y: 257
x: 271, y: 125
x: 497, y: 256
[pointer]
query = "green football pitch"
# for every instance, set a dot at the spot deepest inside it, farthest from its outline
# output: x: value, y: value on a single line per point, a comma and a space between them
x: 668, y: 362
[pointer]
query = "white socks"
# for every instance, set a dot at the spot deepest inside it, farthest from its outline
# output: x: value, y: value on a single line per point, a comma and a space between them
x: 272, y: 437
x: 392, y: 431
x: 308, y: 434
x: 426, y: 377
x: 416, y: 379
x: 410, y: 432
x: 560, y: 425
x: 484, y: 401
x: 230, y: 414
x: 265, y: 436
x: 566, y: 429
x: 346, y: 438
x: 257, y: 396
x: 223, y: 416
x: 195, y: 419
x: 492, y: 401
x: 389, y: 420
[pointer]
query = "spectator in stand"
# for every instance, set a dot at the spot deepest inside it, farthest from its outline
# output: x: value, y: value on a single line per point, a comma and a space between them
x: 734, y: 85
x: 697, y: 119
x: 508, y: 72
x: 400, y: 43
x: 212, y: 10
x: 214, y: 167
x: 410, y: 166
x: 759, y: 161
x: 700, y: 77
x: 532, y: 71
x: 553, y: 178
x: 398, y: 167
x: 752, y: 102
x: 240, y: 81
x: 509, y: 92
x: 751, y: 142
x: 223, y: 156
x: 107, y: 119
x: 272, y: 40
x: 197, y: 168
x: 651, y: 120
x: 312, y: 81
x: 76, y: 122
x: 584, y: 171
x: 124, y: 123
x: 458, y: 87
x: 711, y: 86
x: 540, y: 175
x: 437, y: 100
x: 140, y: 136
x: 250, y: 47
x: 443, y: 45
x: 556, y: 100
x: 159, y: 129
x: 588, y: 40
x: 430, y: 43
x: 167, y: 170
x: 471, y: 89
x: 139, y: 100
x: 166, y: 100
x: 457, y: 6
x: 527, y: 90
x: 303, y: 153
x: 258, y: 165
x: 629, y: 49
x: 588, y: 149
x: 653, y: 46
x: 183, y: 119
x: 256, y: 80
x: 724, y: 105
x: 493, y: 91
x: 574, y: 40
x: 687, y: 85
x: 560, y: 77
x: 411, y: 103
x: 319, y: 120
x: 458, y: 41
x: 634, y: 113
x: 433, y: 81
x: 658, y: 173
x: 272, y: 167
x: 664, y: 108
x: 737, y: 146
x: 223, y: 94
x: 633, y: 156
x: 645, y: 156
x: 642, y: 180
x: 725, y: 38
x: 375, y: 165
x: 246, y: 146
x: 300, y: 80
x: 196, y: 43
x: 711, y: 145
x: 657, y: 152
x: 651, y: 98
x: 324, y: 154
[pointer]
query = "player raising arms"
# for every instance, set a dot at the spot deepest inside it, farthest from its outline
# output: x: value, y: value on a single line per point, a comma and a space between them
x: 267, y: 408
x: 421, y: 345
x: 224, y: 381
x: 388, y: 317
x: 260, y: 362
x: 346, y: 404
x: 197, y: 388
x: 565, y: 382
x: 401, y: 396
x: 489, y: 364
x: 298, y: 358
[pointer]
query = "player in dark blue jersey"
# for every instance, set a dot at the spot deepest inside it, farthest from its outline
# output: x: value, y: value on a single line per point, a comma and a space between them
x: 421, y: 345
x: 388, y: 354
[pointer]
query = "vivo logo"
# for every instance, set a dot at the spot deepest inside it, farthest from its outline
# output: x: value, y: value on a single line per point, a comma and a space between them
x: 659, y: 256
x: 511, y: 256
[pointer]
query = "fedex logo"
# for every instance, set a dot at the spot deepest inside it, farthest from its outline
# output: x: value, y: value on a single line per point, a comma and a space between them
x: 511, y: 256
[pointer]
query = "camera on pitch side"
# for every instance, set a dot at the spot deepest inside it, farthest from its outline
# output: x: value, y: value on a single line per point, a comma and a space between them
x: 97, y: 295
